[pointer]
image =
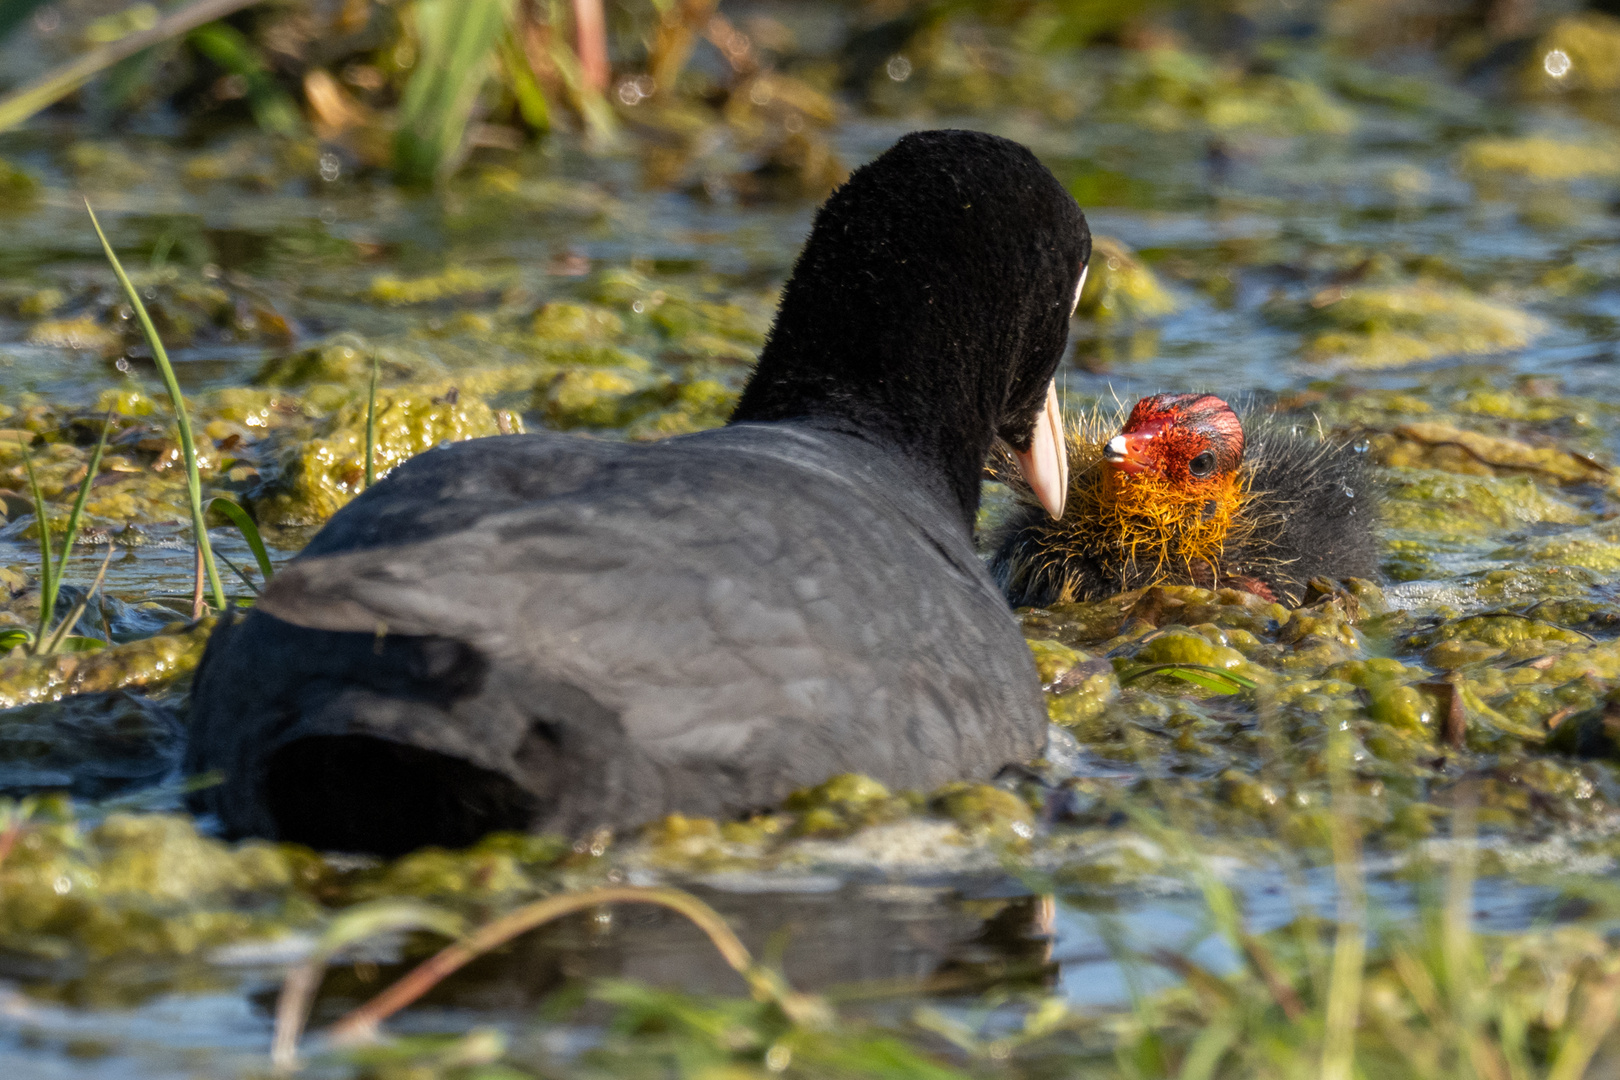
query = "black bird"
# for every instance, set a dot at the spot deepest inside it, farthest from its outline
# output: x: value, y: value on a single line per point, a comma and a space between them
x: 560, y: 633
x: 1186, y: 493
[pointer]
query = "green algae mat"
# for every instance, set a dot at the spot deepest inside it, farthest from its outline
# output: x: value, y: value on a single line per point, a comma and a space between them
x: 1375, y: 835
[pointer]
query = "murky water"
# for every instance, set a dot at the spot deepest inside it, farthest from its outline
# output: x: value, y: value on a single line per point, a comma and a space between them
x: 1248, y: 233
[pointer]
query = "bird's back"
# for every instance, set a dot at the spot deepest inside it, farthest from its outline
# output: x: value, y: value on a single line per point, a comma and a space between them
x: 554, y: 632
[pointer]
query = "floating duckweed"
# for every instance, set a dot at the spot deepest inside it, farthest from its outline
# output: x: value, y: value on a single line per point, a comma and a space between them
x: 1169, y: 90
x: 126, y: 401
x: 593, y: 397
x: 1053, y: 658
x: 682, y: 317
x: 564, y: 321
x: 844, y: 803
x: 38, y: 304
x: 1451, y: 654
x: 981, y: 808
x: 1588, y: 548
x: 150, y: 662
x: 457, y: 281
x: 344, y: 359
x: 678, y: 841
x: 1506, y: 629
x: 1372, y: 328
x: 623, y: 287
x: 1080, y: 688
x: 1180, y: 646
x: 147, y: 884
x: 599, y: 354
x: 677, y: 838
x: 437, y: 874
x: 1590, y: 40
x: 1323, y: 625
x: 78, y: 333
x: 695, y: 406
x: 105, y: 164
x: 1404, y: 707
x: 322, y: 474
x: 1430, y: 504
x: 687, y: 319
x: 1248, y: 793
x: 712, y: 348
x: 1540, y: 157
x: 1087, y: 702
x: 1445, y: 446
x: 18, y: 189
x: 1121, y: 286
x: 1378, y: 670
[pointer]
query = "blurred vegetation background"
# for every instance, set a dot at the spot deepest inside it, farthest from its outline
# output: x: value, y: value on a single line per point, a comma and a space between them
x: 409, y: 89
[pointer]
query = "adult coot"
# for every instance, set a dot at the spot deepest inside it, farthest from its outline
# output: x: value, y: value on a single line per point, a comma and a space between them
x: 1187, y: 493
x: 553, y: 632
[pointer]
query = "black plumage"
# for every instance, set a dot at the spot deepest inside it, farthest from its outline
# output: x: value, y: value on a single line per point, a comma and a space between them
x: 1309, y: 509
x: 553, y: 632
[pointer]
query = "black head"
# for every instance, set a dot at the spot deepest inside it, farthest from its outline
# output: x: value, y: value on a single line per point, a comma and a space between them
x: 931, y: 304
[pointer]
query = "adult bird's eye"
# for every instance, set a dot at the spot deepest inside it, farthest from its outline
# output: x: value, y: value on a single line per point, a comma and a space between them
x: 1203, y: 464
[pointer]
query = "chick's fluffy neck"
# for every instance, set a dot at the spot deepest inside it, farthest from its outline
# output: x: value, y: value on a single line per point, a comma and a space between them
x: 1162, y: 527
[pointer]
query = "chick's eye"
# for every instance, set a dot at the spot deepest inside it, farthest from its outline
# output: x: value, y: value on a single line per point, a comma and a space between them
x: 1203, y: 464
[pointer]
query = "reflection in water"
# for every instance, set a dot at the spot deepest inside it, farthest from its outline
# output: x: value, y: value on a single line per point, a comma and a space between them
x: 90, y: 745
x: 876, y: 948
x: 876, y: 940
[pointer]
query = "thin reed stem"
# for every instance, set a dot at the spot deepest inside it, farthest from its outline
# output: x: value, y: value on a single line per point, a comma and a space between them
x: 1457, y: 940
x: 65, y: 629
x: 371, y: 424
x: 61, y: 81
x: 590, y: 25
x: 362, y: 1022
x: 188, y: 447
x: 47, y: 569
x: 77, y: 513
x: 1350, y: 941
x: 197, y: 604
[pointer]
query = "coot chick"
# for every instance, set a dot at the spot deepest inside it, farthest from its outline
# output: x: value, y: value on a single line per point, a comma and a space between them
x: 1188, y: 494
x: 558, y: 633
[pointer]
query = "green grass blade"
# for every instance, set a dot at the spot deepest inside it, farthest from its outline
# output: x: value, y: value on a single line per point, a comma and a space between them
x: 49, y: 642
x: 64, y: 632
x: 273, y: 108
x: 71, y: 534
x: 531, y: 100
x: 61, y: 81
x: 1215, y: 679
x: 458, y: 41
x: 76, y: 643
x: 371, y: 426
x: 1342, y: 1014
x: 238, y: 571
x: 47, y: 571
x: 15, y: 636
x: 354, y: 924
x: 250, y: 532
x: 170, y: 383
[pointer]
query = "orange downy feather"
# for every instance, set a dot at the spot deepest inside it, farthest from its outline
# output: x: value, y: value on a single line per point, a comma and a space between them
x: 1164, y: 527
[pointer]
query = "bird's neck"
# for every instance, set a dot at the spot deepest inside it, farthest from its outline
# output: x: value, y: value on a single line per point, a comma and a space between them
x: 946, y: 465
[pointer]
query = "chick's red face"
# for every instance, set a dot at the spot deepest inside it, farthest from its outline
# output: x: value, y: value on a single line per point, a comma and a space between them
x: 1189, y: 439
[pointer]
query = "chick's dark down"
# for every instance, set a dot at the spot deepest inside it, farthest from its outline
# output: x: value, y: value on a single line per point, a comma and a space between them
x: 1312, y: 510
